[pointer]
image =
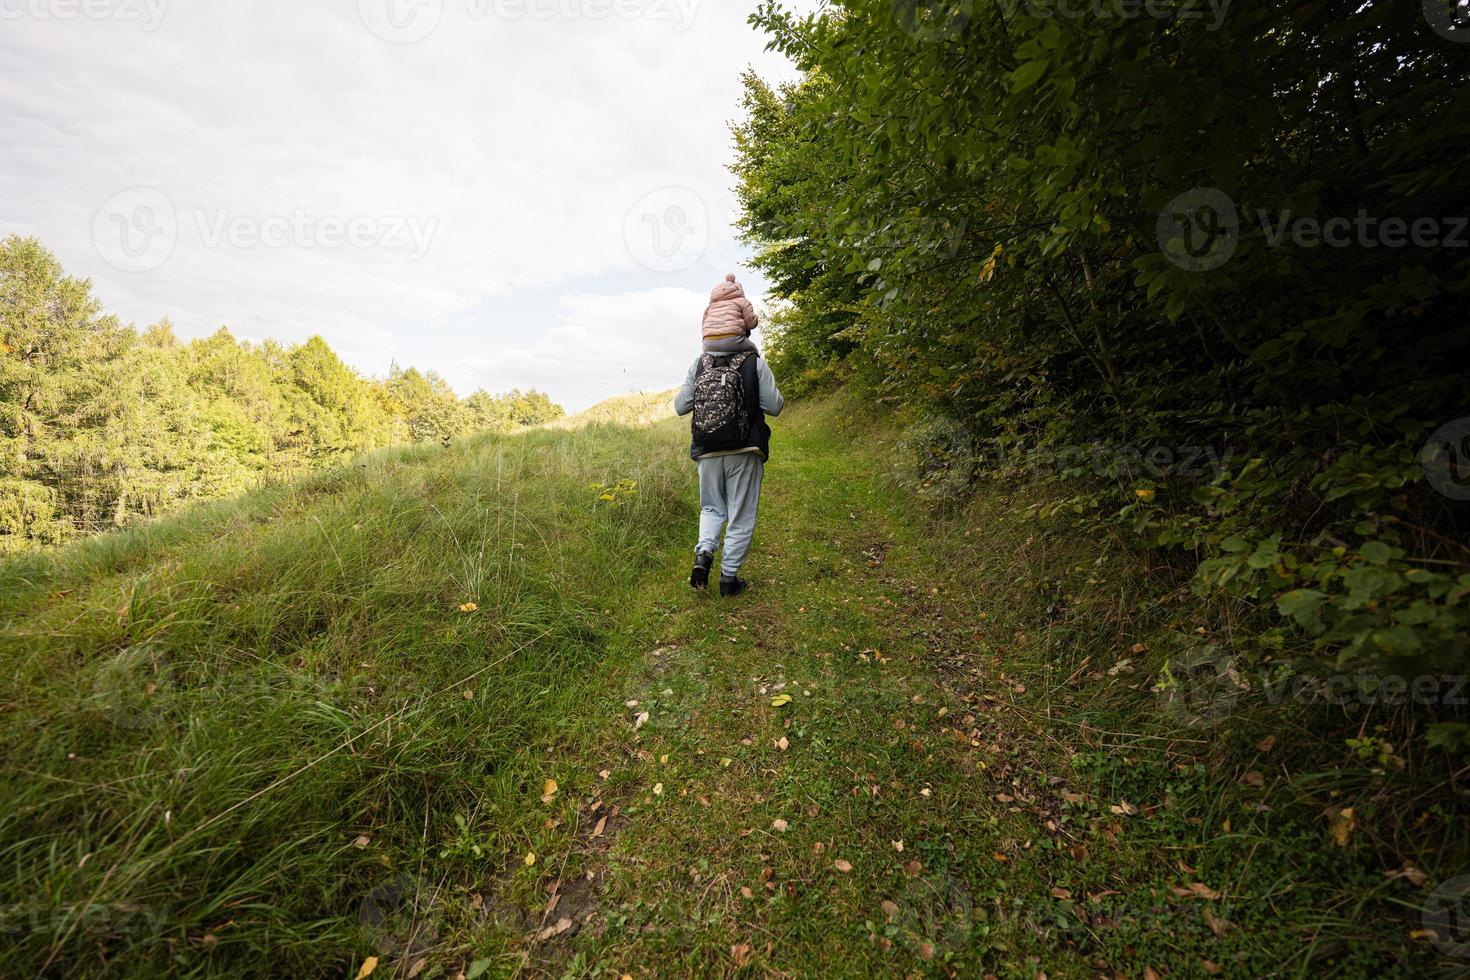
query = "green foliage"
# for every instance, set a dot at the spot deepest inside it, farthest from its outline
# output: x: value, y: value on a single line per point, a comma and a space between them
x: 101, y: 424
x: 968, y: 220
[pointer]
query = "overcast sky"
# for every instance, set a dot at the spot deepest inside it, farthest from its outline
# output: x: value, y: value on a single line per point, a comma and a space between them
x: 510, y: 192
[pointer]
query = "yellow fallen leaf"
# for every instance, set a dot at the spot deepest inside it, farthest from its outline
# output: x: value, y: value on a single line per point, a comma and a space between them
x: 469, y: 607
x: 726, y: 762
x: 368, y: 966
x: 548, y: 792
x: 658, y: 789
x: 1342, y: 830
x: 1146, y: 496
x: 530, y: 859
x: 780, y: 699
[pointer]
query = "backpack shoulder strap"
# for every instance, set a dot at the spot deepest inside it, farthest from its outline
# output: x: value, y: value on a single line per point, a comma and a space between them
x: 738, y: 361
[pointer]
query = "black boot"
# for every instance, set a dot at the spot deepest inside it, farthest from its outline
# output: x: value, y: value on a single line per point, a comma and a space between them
x: 732, y: 587
x: 703, y: 562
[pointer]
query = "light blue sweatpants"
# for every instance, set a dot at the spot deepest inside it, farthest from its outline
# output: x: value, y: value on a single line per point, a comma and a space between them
x: 729, y: 493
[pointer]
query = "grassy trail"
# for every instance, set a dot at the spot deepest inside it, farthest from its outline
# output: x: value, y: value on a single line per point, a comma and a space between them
x: 459, y: 712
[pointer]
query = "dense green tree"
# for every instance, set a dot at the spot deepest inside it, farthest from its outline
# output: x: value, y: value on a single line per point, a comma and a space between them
x: 101, y: 424
x: 1059, y: 227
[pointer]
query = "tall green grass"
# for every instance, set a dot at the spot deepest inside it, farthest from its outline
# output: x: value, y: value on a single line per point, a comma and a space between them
x: 236, y: 741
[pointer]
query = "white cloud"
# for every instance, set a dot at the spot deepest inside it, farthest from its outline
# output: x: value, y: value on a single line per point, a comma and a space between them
x: 522, y: 140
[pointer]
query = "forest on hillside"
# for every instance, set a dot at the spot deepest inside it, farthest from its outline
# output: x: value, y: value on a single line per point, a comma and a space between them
x: 1210, y: 273
x: 102, y: 423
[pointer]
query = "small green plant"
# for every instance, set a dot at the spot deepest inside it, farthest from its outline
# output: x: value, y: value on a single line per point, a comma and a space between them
x: 464, y: 844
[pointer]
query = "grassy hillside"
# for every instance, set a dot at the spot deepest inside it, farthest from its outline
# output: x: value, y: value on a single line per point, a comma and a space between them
x: 455, y: 710
x: 636, y: 408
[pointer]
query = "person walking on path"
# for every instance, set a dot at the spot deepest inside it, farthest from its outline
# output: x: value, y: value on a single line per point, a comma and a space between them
x: 730, y: 391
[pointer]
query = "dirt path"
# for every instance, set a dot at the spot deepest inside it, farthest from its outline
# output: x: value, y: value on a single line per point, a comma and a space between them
x: 823, y: 778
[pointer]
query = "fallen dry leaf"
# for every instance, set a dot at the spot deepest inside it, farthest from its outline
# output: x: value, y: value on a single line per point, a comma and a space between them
x: 740, y: 953
x: 640, y: 721
x: 779, y: 825
x: 368, y: 966
x: 890, y: 908
x: 601, y: 826
x: 842, y: 865
x: 418, y: 967
x: 782, y: 743
x: 548, y: 791
x: 362, y: 842
x: 1410, y: 873
x: 1342, y: 829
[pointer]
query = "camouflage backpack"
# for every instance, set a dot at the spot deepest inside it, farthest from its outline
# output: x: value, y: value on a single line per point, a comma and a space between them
x: 721, y: 415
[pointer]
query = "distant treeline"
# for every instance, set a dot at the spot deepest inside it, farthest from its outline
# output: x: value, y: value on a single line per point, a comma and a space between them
x: 101, y: 423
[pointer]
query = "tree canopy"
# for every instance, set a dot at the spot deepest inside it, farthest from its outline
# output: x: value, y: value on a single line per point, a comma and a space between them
x: 101, y: 424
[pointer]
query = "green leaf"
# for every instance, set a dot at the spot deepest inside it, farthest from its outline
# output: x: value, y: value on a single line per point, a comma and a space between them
x: 1027, y: 75
x: 1376, y: 551
x: 1301, y: 605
